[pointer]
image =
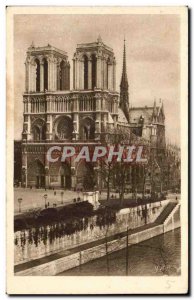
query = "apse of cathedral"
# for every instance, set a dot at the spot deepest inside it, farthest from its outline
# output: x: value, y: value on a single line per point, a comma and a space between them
x: 56, y: 115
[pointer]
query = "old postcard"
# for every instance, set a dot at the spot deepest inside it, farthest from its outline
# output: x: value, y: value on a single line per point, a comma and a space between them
x: 97, y: 150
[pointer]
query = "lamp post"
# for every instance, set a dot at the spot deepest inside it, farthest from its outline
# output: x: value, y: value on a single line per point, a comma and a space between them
x: 62, y: 193
x: 45, y: 198
x: 20, y: 202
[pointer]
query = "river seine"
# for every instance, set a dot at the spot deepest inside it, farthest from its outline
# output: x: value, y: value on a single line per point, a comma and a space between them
x: 158, y: 256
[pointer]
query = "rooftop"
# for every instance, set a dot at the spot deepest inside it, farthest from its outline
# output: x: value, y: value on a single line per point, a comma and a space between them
x: 47, y: 48
x: 136, y: 112
x: 121, y: 116
x: 98, y: 43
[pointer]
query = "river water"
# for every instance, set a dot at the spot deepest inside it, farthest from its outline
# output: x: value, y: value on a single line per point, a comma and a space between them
x: 157, y: 256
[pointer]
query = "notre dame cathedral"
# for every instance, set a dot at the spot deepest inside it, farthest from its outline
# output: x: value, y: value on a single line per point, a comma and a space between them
x: 56, y: 115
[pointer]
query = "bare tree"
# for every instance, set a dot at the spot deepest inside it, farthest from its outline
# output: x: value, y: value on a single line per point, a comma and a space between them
x: 115, y: 172
x: 106, y: 172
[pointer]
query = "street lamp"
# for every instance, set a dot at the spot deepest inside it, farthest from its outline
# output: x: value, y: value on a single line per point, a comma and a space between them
x: 62, y: 193
x: 20, y: 202
x: 45, y: 198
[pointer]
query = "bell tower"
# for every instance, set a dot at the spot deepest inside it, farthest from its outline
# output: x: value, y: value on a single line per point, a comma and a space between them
x: 94, y: 87
x: 46, y: 99
x: 54, y: 114
x: 47, y: 73
x: 94, y: 66
x: 47, y: 70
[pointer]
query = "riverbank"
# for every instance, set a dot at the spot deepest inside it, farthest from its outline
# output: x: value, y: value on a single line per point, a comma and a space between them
x: 75, y: 211
x: 59, y: 262
x: 158, y: 256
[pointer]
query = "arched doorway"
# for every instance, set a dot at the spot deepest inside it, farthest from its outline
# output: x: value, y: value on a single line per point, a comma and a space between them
x: 36, y: 174
x: 65, y: 174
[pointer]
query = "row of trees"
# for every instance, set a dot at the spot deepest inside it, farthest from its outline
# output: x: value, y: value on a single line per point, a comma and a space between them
x: 142, y: 180
x: 133, y: 177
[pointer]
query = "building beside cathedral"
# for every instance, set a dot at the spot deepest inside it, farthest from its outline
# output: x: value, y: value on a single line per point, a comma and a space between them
x: 147, y: 125
x: 56, y: 115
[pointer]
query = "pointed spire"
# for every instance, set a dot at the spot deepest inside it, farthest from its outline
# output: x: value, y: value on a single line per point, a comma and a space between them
x: 124, y: 94
x: 124, y: 80
x: 162, y: 109
x: 155, y: 109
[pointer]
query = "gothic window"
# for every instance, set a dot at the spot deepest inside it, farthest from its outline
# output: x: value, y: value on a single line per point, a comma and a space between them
x: 107, y: 74
x: 44, y: 132
x: 45, y: 65
x: 87, y: 129
x: 36, y: 133
x: 141, y: 120
x: 37, y: 75
x: 93, y: 71
x: 85, y: 72
x: 62, y: 75
x: 39, y: 130
x: 64, y: 129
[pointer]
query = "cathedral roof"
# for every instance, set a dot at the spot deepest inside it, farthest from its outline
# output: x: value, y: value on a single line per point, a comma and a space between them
x: 136, y: 113
x: 90, y: 46
x: 146, y: 112
x: 121, y: 116
x: 47, y: 49
x: 110, y: 119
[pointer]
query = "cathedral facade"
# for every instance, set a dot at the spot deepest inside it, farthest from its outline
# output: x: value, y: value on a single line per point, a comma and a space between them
x: 85, y: 115
x: 54, y: 114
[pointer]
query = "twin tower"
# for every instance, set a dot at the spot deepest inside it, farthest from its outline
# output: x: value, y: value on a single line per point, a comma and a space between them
x: 85, y: 112
x: 48, y: 69
x: 54, y: 114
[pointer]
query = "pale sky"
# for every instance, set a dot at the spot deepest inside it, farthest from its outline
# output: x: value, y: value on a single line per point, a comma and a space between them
x: 152, y: 46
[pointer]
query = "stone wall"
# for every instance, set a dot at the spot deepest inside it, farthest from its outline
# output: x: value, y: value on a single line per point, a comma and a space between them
x: 173, y: 220
x: 57, y: 266
x: 43, y: 241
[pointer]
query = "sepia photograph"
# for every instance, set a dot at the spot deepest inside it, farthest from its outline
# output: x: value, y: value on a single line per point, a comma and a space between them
x: 97, y: 149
